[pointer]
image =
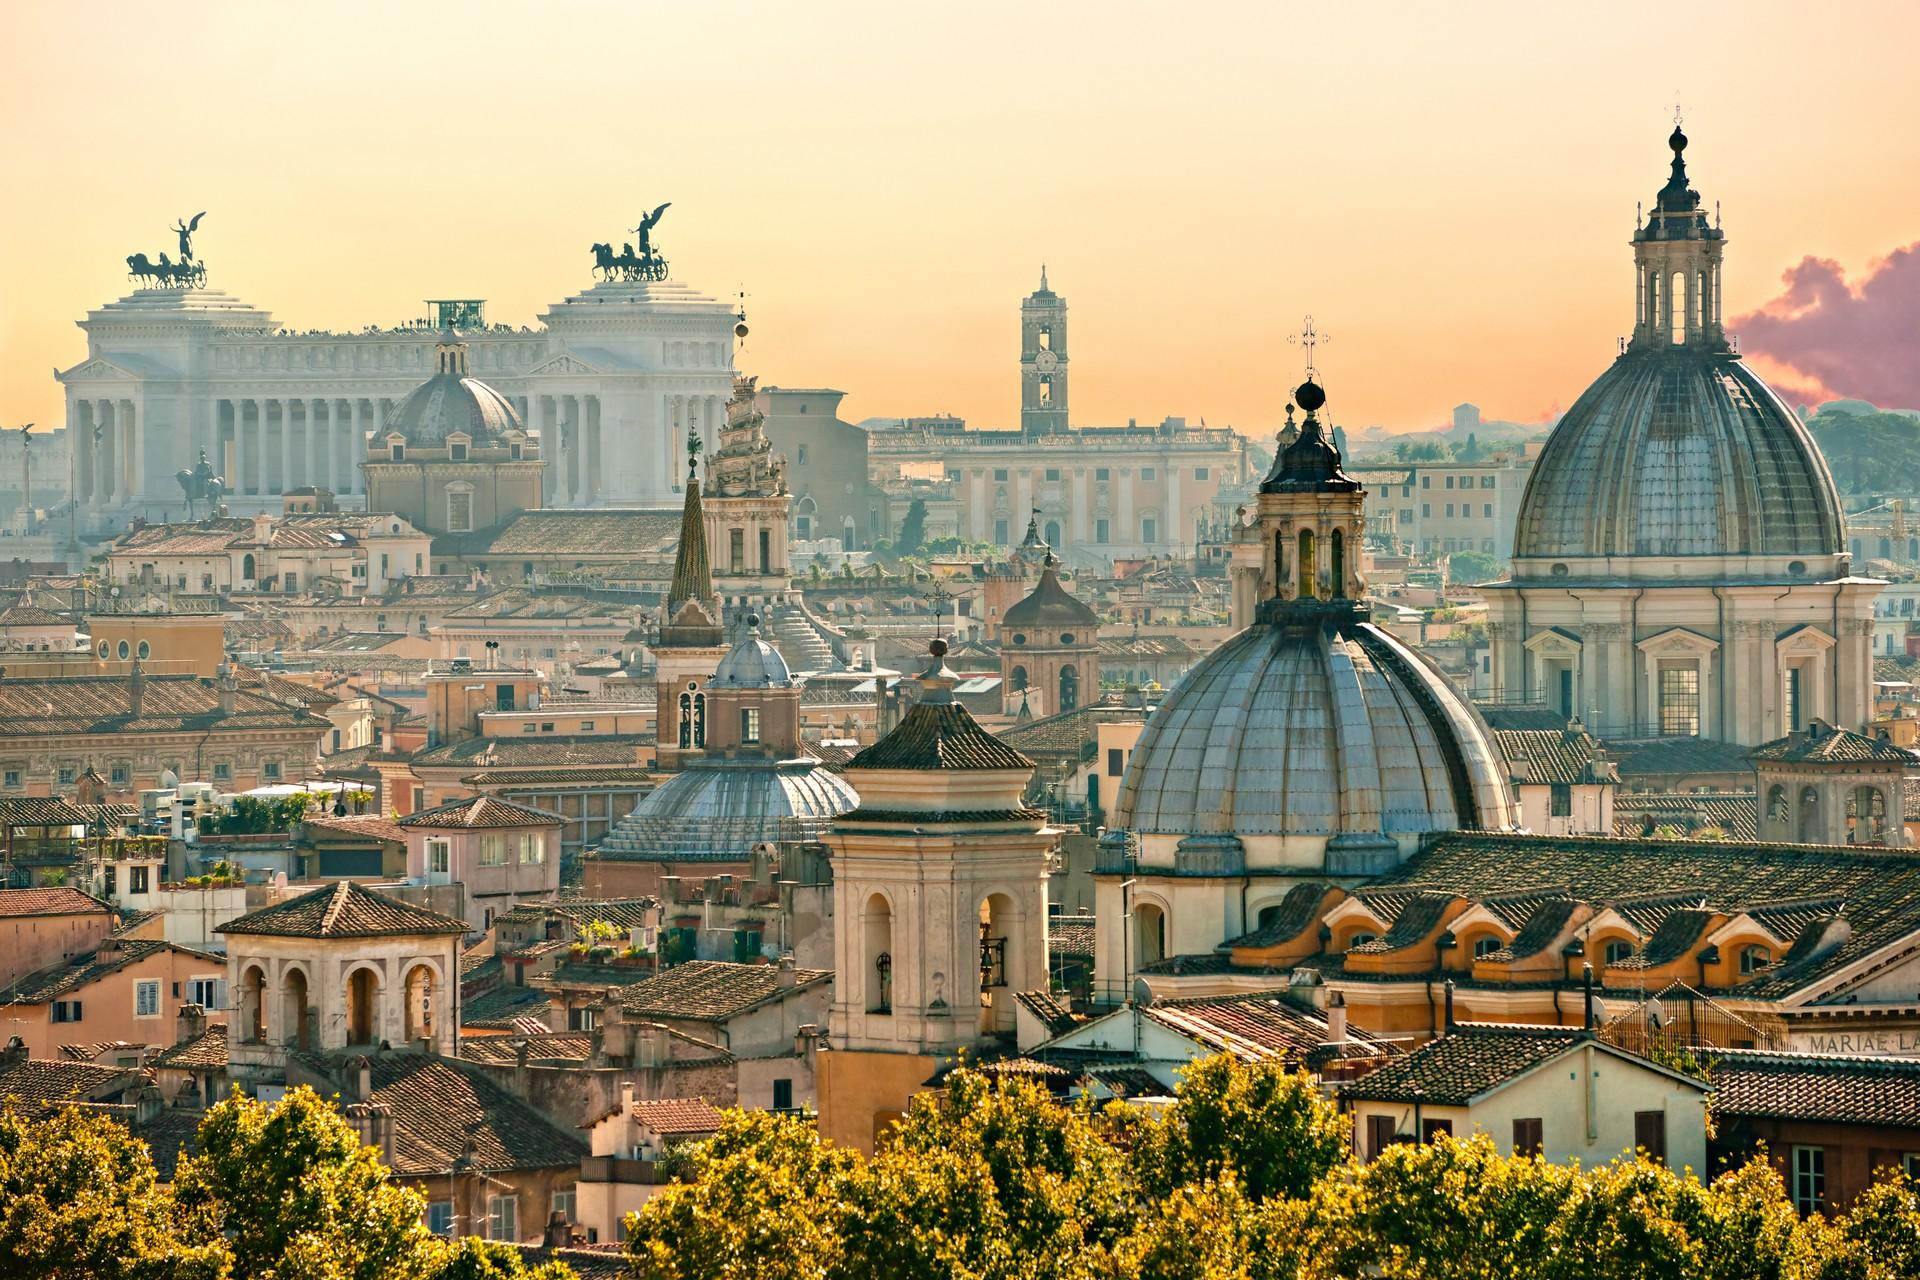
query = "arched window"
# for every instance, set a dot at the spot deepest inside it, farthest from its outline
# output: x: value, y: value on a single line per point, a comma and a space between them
x: 1677, y: 308
x: 1306, y: 565
x: 253, y: 1012
x: 1777, y: 811
x: 699, y: 719
x: 1866, y: 815
x: 1337, y: 551
x: 1149, y: 935
x: 1486, y: 946
x: 1018, y: 678
x: 1809, y: 824
x: 879, y: 954
x: 1361, y: 939
x: 246, y: 567
x: 1755, y: 958
x: 296, y: 1020
x: 1618, y: 951
x: 1268, y: 915
x: 363, y: 990
x: 686, y: 721
x: 1279, y: 562
x: 1069, y: 688
x: 1053, y: 534
x: 420, y: 996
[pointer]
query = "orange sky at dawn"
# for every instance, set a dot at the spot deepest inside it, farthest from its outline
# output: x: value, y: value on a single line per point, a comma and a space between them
x: 1448, y: 189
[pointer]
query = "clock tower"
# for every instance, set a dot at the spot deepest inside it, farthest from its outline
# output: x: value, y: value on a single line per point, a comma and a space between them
x: 1043, y: 361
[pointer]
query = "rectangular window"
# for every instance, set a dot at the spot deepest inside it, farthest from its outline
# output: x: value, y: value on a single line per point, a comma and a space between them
x: 563, y: 1203
x: 782, y: 1094
x: 66, y: 775
x: 1791, y: 697
x: 440, y: 855
x: 440, y: 1218
x: 13, y: 777
x: 66, y: 1011
x: 1560, y: 800
x: 119, y: 774
x: 1116, y: 762
x: 586, y: 726
x: 1000, y: 474
x: 139, y: 879
x: 1149, y: 530
x: 459, y: 512
x: 270, y: 770
x: 223, y: 772
x: 1102, y: 473
x: 1426, y: 511
x: 1527, y: 1137
x: 533, y: 848
x: 737, y: 550
x: 1486, y: 482
x: 750, y: 725
x: 1200, y: 473
x: 1426, y: 482
x: 766, y: 551
x: 1380, y: 1132
x: 1449, y: 482
x: 1650, y: 1134
x: 1809, y: 1179
x: 1146, y: 473
x: 1449, y: 511
x: 146, y: 999
x: 503, y: 1221
x: 204, y: 992
x: 800, y: 455
x: 1102, y: 531
x: 1431, y: 1129
x: 1679, y: 699
x: 1053, y: 474
x: 493, y: 849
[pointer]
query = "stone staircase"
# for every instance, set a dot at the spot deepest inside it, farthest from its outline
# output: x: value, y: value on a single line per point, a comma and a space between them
x: 801, y: 642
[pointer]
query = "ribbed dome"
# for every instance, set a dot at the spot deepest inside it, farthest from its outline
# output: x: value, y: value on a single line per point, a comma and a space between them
x: 1679, y: 453
x: 753, y: 664
x: 1305, y: 730
x: 718, y: 810
x: 451, y: 402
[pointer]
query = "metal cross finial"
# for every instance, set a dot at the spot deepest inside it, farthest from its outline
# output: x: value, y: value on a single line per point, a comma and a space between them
x: 1309, y: 338
x: 1676, y: 108
x: 940, y: 597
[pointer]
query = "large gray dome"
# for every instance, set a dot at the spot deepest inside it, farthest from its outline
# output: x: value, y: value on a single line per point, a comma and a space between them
x: 1308, y: 730
x: 451, y: 402
x: 1679, y: 452
x: 718, y: 810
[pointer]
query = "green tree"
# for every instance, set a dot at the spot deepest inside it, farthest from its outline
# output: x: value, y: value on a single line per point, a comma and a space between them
x: 1473, y: 566
x: 1870, y: 452
x: 762, y: 1203
x: 295, y: 1193
x: 472, y: 1258
x: 79, y: 1201
x: 913, y: 528
x: 1879, y: 1239
x: 1268, y: 1125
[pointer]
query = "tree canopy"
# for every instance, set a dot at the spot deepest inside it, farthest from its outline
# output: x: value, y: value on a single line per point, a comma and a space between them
x: 1870, y: 452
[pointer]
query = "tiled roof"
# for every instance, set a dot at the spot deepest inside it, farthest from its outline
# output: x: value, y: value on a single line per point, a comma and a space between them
x: 1826, y: 744
x: 1548, y: 917
x: 1070, y: 733
x: 1563, y: 756
x: 1679, y: 757
x: 56, y: 981
x: 621, y: 913
x: 45, y: 1084
x: 572, y: 779
x: 551, y: 751
x: 439, y: 1107
x: 1646, y: 879
x: 653, y: 534
x: 1416, y: 919
x: 942, y: 735
x: 373, y: 826
x: 481, y: 811
x: 170, y: 1135
x: 39, y: 811
x: 205, y: 1052
x: 498, y: 1009
x: 545, y: 1046
x: 62, y: 901
x: 711, y: 990
x: 1050, y: 604
x: 343, y: 910
x: 671, y: 1116
x: 30, y: 615
x: 1259, y: 1026
x: 1815, y: 1088
x: 1070, y: 935
x: 1046, y: 1007
x: 1458, y: 1068
x: 45, y: 706
x: 1297, y: 911
x: 1734, y: 812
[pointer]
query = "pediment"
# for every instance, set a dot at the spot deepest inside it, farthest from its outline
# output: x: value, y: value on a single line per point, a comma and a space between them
x: 97, y: 370
x: 1554, y: 639
x: 564, y: 362
x: 1805, y: 638
x: 1678, y: 640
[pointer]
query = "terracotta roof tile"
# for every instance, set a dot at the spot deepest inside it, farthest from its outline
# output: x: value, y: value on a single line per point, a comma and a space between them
x: 49, y: 902
x: 439, y: 1106
x: 542, y: 1046
x: 1457, y: 1068
x: 1815, y: 1087
x: 477, y: 812
x: 1830, y: 745
x: 205, y: 1052
x: 711, y: 990
x: 343, y: 910
x: 58, y: 980
x: 677, y: 1116
x: 46, y: 1084
x: 1260, y: 1025
x: 940, y: 735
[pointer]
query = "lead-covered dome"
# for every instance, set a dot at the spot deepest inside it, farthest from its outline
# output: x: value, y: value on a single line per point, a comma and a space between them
x: 717, y: 810
x: 1310, y: 730
x: 451, y: 402
x: 1679, y: 452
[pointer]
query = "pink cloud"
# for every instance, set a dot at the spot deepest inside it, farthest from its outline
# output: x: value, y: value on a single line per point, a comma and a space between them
x: 1832, y: 340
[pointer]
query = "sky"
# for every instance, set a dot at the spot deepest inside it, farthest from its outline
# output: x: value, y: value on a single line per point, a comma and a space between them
x: 1447, y: 189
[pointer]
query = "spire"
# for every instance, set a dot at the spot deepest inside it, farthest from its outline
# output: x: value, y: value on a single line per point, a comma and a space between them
x: 692, y: 570
x: 1043, y: 277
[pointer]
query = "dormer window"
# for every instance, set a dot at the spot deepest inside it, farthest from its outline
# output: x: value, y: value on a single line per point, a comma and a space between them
x: 397, y: 450
x: 1753, y: 959
x: 456, y: 451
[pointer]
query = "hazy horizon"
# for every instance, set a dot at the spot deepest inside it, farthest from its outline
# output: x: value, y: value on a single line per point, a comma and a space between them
x: 885, y: 182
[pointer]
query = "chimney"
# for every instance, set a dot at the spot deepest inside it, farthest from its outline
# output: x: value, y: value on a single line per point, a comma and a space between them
x: 136, y: 687
x: 1336, y: 1019
x: 1586, y: 985
x: 805, y: 1036
x: 263, y: 528
x: 559, y: 1232
x: 788, y: 975
x: 616, y: 1037
x: 229, y: 688
x: 1449, y: 1006
x: 191, y: 1021
x: 147, y: 1105
x: 108, y: 951
x: 14, y: 1054
x: 626, y: 1098
x: 363, y: 1078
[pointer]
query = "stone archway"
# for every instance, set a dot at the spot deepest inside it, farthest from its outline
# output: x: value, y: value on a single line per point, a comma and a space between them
x: 363, y: 1007
x: 295, y: 1019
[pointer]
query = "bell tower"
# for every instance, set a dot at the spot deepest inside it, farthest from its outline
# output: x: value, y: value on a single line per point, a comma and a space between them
x: 1043, y: 361
x: 1311, y: 518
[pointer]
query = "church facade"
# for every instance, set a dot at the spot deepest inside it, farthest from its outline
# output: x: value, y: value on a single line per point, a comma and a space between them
x: 1680, y: 565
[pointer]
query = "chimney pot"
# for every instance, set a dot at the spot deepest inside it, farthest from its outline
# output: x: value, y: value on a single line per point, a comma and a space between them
x: 1336, y: 1019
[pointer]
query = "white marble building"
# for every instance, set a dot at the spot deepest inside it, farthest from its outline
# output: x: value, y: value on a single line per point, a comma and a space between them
x: 612, y: 380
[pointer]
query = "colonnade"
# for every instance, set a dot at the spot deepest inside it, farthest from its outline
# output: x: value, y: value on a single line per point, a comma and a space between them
x: 289, y: 442
x: 108, y: 448
x: 570, y: 443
